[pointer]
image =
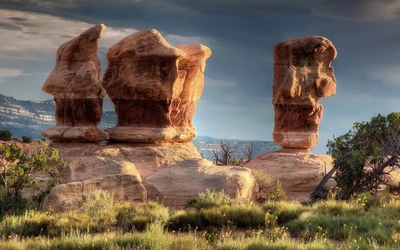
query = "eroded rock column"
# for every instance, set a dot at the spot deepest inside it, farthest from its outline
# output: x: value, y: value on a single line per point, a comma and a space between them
x: 191, y: 78
x: 75, y: 85
x: 302, y: 76
x: 147, y: 79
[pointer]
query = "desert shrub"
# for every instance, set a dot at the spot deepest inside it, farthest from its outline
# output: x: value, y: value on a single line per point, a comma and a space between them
x: 5, y: 135
x: 365, y: 155
x: 99, y: 204
x: 210, y: 199
x: 213, y: 217
x: 16, y: 169
x: 31, y: 223
x: 245, y: 216
x: 277, y: 194
x: 26, y: 139
x: 185, y: 220
x: 337, y: 208
x: 138, y: 218
x: 68, y: 221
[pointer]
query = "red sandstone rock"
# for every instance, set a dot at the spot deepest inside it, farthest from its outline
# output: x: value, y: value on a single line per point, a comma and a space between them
x: 154, y: 88
x: 75, y: 85
x: 302, y: 76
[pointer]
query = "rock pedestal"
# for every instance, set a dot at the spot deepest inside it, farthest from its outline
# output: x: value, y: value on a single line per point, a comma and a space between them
x: 154, y: 87
x: 299, y: 171
x: 75, y: 85
x: 302, y: 76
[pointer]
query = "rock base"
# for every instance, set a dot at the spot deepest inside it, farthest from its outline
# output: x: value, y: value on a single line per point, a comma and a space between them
x: 298, y: 170
x: 77, y: 134
x: 151, y: 135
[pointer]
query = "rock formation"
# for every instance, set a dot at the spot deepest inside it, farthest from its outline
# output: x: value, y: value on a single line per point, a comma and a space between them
x: 302, y: 76
x: 75, y: 85
x: 191, y: 78
x: 299, y: 173
x: 177, y: 184
x: 154, y: 87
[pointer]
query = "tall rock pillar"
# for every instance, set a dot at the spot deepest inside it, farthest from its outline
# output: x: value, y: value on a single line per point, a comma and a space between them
x: 75, y: 85
x: 302, y: 77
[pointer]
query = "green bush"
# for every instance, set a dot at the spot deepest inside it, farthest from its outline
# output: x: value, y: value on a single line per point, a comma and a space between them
x: 245, y: 216
x: 32, y: 223
x: 26, y: 139
x: 277, y: 194
x: 138, y: 218
x: 5, y: 135
x: 210, y: 199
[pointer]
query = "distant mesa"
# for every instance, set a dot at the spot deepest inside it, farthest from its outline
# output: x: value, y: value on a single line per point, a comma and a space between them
x: 154, y: 87
x: 75, y: 85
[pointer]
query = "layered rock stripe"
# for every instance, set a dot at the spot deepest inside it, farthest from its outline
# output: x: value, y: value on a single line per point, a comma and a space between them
x: 154, y: 87
x: 75, y: 85
x: 302, y: 77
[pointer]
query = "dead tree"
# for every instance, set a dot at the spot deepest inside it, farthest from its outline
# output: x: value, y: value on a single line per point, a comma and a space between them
x: 224, y: 157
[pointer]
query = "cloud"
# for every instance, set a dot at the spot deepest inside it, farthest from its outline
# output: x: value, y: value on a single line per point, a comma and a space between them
x: 28, y: 35
x: 358, y: 10
x: 7, y: 72
x: 389, y: 75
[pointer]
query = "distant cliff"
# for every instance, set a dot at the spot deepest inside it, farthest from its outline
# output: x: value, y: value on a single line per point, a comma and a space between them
x: 30, y: 118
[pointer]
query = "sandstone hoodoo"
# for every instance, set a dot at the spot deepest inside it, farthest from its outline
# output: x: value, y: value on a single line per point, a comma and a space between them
x: 75, y: 85
x: 302, y: 77
x: 154, y: 87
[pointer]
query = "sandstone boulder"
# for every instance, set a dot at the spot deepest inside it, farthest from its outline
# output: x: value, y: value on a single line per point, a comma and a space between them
x: 75, y: 85
x: 177, y: 184
x: 299, y: 171
x: 122, y: 187
x: 302, y: 77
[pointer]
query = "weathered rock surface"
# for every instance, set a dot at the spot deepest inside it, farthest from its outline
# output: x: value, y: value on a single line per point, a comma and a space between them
x: 123, y: 187
x: 153, y: 90
x: 299, y: 171
x: 75, y: 85
x: 302, y: 77
x: 177, y: 184
x: 117, y: 168
x: 88, y: 161
x: 191, y: 77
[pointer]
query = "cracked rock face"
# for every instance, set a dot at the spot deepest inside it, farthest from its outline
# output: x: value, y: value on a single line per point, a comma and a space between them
x: 302, y: 77
x: 75, y: 85
x: 154, y: 87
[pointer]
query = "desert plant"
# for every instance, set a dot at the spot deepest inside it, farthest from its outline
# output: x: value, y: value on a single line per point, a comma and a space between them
x: 16, y: 170
x: 26, y: 139
x: 277, y: 194
x: 209, y: 199
x: 5, y: 135
x: 365, y: 156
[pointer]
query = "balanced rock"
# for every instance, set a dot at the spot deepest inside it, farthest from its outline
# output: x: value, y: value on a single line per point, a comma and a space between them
x: 143, y: 78
x: 302, y: 76
x: 299, y: 172
x: 178, y: 184
x: 75, y: 85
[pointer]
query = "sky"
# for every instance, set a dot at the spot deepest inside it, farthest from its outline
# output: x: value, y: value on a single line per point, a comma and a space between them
x: 237, y: 98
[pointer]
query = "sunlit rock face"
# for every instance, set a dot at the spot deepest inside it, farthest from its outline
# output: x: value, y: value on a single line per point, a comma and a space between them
x: 150, y: 84
x: 191, y: 78
x: 75, y: 85
x: 302, y: 77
